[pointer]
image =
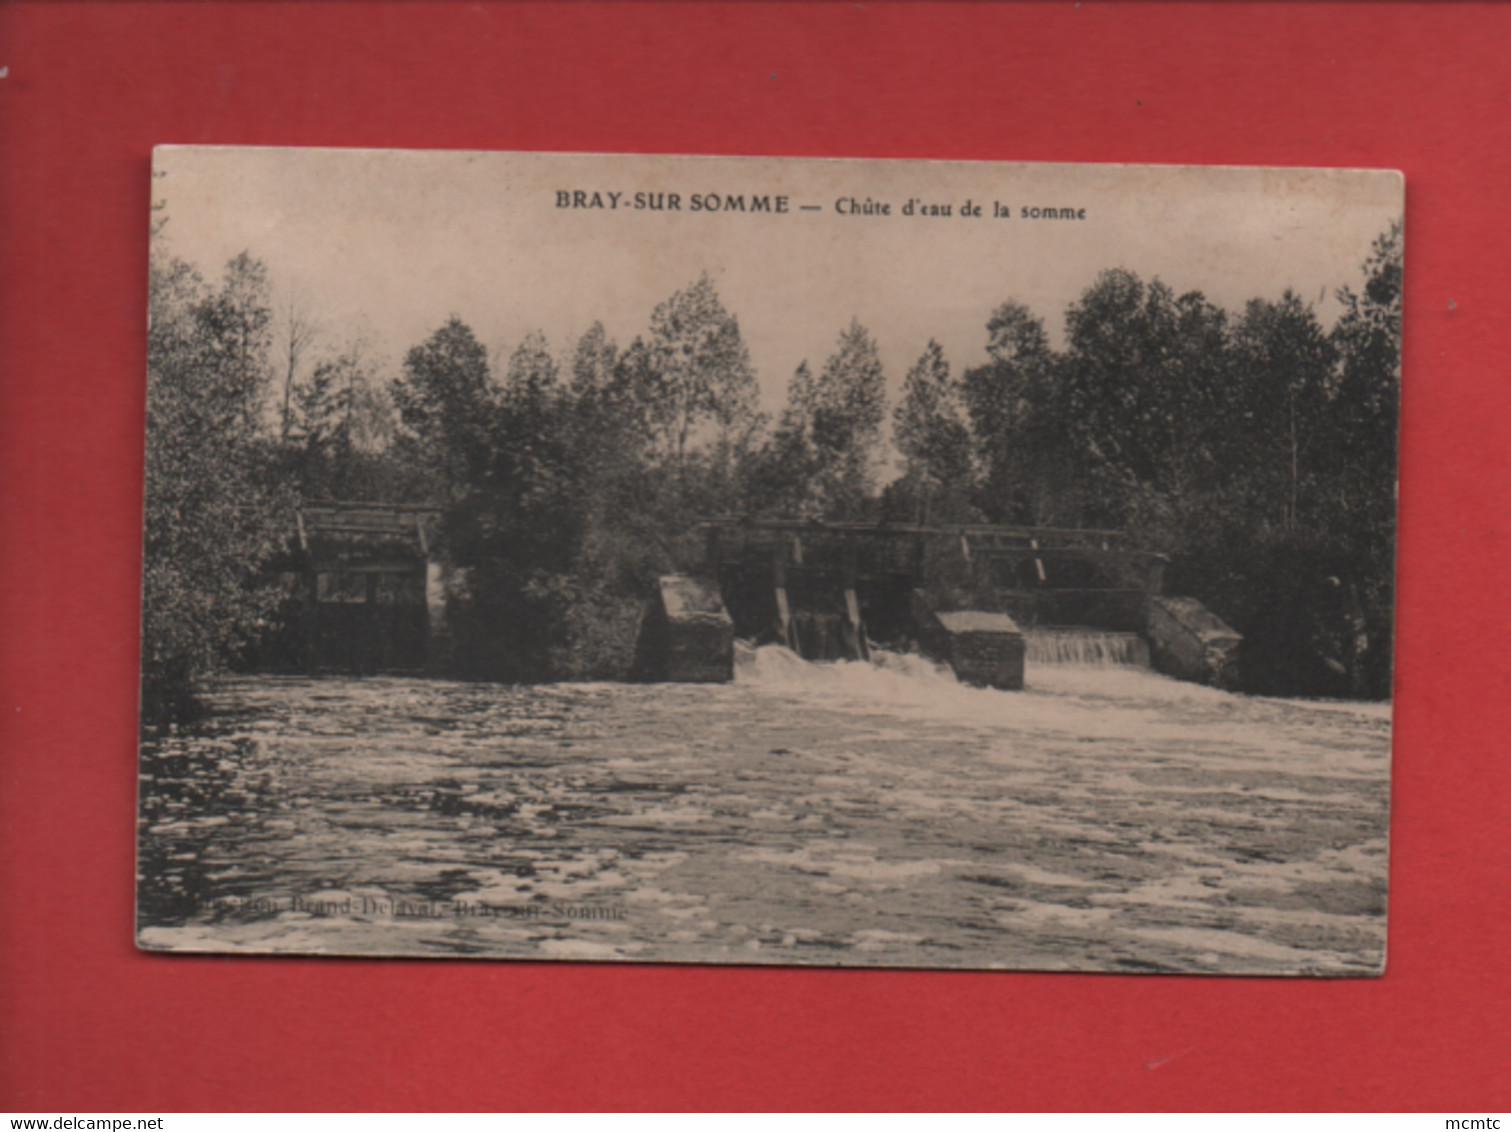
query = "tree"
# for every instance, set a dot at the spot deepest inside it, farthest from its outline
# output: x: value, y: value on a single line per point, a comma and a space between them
x: 1282, y: 362
x: 840, y: 414
x: 234, y: 331
x: 1019, y: 426
x: 447, y: 402
x: 530, y: 380
x: 1362, y: 422
x: 593, y: 364
x: 211, y: 519
x: 516, y: 514
x: 780, y: 476
x: 339, y: 431
x: 701, y: 367
x: 1146, y: 384
x: 299, y: 332
x: 933, y: 440
x: 611, y: 399
x: 532, y: 441
x: 1367, y: 389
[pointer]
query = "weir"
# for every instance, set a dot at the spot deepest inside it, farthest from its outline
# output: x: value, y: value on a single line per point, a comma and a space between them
x: 985, y: 600
x: 369, y: 588
x: 1078, y: 645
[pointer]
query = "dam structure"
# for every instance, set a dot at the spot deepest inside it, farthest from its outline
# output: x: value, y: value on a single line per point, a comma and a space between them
x: 985, y: 600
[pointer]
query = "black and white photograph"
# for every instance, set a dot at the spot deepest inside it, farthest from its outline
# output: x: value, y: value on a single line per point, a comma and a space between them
x: 769, y: 561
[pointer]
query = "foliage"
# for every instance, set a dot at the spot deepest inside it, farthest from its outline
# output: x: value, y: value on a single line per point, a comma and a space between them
x: 594, y: 365
x: 446, y: 402
x: 701, y: 370
x: 1144, y: 380
x: 298, y: 332
x: 1363, y: 415
x: 839, y: 416
x: 779, y: 476
x: 210, y: 516
x: 934, y: 443
x: 337, y: 442
x: 1282, y: 365
x: 1020, y: 429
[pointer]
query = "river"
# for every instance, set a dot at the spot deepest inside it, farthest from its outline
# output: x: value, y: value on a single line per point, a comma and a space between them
x: 1105, y: 819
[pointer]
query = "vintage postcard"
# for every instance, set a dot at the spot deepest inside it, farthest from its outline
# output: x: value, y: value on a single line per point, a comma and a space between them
x: 769, y: 561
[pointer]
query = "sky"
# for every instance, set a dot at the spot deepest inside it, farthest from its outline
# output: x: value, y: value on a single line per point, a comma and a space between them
x: 389, y: 244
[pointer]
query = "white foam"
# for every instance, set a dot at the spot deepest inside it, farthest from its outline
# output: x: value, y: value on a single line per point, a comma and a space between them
x: 887, y: 677
x: 1058, y: 697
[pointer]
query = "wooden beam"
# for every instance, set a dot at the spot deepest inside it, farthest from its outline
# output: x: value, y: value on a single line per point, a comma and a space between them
x: 1071, y: 554
x: 891, y: 529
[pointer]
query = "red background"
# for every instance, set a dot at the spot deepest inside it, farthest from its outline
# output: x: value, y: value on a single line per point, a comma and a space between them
x: 88, y: 1024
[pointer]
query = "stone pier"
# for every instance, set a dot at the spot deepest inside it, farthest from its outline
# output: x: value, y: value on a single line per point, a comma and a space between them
x: 1190, y: 642
x: 687, y: 635
x: 982, y: 648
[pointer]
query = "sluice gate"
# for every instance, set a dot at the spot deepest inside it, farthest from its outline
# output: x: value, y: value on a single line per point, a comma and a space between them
x: 986, y: 600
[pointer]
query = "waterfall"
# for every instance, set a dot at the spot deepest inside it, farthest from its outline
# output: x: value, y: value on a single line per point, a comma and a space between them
x: 1085, y: 646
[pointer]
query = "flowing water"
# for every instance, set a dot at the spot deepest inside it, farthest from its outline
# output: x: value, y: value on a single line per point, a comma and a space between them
x: 1084, y: 646
x: 1106, y: 818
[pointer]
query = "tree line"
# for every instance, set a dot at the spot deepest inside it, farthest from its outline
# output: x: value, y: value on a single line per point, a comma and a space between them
x: 1256, y: 448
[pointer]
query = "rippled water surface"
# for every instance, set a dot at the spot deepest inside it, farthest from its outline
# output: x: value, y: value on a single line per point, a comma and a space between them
x: 1105, y: 819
